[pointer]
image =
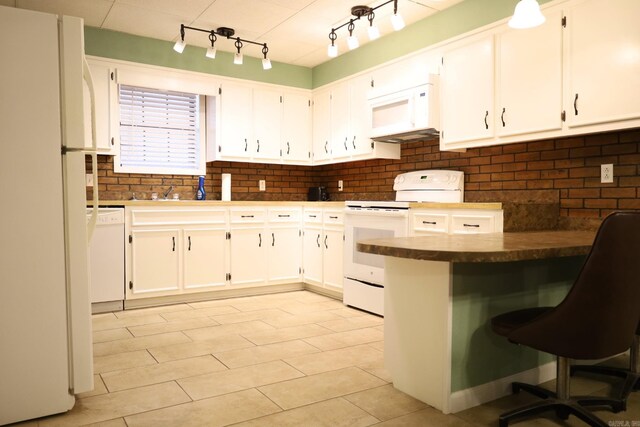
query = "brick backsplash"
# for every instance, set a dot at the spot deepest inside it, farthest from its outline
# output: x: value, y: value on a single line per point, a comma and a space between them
x: 564, y: 171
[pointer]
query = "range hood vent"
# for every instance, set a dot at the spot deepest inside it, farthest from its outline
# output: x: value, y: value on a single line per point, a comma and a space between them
x: 411, y: 136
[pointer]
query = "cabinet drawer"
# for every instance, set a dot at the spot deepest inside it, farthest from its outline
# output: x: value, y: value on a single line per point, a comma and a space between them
x: 248, y: 216
x: 333, y: 217
x: 432, y: 222
x: 284, y: 215
x: 472, y: 224
x: 312, y: 216
x: 177, y: 216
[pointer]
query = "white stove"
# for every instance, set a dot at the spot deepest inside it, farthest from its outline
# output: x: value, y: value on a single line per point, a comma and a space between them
x: 363, y: 285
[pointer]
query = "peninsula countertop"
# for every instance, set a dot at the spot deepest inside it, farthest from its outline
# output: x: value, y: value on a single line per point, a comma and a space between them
x: 493, y: 247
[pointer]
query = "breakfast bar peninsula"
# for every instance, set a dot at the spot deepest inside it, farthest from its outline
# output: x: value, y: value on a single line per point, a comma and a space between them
x: 440, y: 293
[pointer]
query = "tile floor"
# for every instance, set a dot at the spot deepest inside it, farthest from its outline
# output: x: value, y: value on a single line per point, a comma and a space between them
x: 290, y: 359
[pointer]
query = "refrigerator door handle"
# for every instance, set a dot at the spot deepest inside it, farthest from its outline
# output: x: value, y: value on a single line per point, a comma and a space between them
x: 86, y: 74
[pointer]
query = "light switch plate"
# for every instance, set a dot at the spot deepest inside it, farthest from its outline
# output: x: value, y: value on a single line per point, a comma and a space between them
x: 89, y: 180
x: 340, y: 186
x: 263, y: 185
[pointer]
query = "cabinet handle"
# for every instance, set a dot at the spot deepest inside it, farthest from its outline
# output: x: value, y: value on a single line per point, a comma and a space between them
x: 288, y: 148
x: 471, y: 225
x: 575, y: 105
x: 313, y: 216
x: 273, y: 239
x: 246, y: 144
x: 429, y: 222
x: 486, y: 123
x: 246, y: 216
x: 258, y: 150
x: 354, y: 142
x: 333, y: 217
x: 189, y: 238
x: 325, y: 242
x: 284, y: 216
x: 345, y: 143
x: 502, y: 116
x: 112, y: 141
x: 318, y: 240
x: 173, y: 239
x: 325, y: 147
x: 260, y: 240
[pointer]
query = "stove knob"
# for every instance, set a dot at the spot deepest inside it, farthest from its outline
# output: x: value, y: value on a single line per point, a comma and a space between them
x: 399, y: 179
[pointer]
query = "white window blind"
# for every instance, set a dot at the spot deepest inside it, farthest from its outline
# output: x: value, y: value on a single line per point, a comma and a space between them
x: 159, y: 132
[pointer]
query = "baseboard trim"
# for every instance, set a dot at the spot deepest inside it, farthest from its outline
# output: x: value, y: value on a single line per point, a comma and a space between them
x: 474, y: 396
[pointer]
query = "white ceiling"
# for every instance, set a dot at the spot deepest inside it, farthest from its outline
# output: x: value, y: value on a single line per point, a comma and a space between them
x: 296, y: 31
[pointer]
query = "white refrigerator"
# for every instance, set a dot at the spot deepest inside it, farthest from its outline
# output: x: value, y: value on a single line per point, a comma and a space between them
x: 45, y: 313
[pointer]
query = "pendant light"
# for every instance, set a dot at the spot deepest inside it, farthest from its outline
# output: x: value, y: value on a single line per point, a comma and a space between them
x: 526, y: 15
x: 211, y: 51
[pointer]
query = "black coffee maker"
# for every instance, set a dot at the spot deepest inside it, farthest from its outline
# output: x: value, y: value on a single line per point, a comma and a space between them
x: 317, y: 194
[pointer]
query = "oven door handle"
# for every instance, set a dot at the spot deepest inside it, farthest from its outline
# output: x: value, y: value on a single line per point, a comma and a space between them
x: 399, y: 214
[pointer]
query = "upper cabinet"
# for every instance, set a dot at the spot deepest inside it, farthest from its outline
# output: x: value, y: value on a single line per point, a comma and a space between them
x: 106, y: 108
x: 529, y: 78
x: 467, y: 92
x: 296, y: 127
x: 602, y: 67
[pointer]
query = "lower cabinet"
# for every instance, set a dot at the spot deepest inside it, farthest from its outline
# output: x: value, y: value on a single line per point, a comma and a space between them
x: 455, y: 221
x: 204, y: 257
x: 323, y: 248
x: 154, y: 261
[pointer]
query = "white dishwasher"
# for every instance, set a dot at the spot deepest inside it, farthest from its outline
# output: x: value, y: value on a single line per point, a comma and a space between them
x: 106, y: 261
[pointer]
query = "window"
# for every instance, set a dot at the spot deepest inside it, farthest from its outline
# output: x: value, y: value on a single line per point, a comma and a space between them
x: 160, y: 132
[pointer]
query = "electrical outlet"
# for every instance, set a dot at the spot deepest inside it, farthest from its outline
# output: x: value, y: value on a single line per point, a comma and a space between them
x: 263, y: 185
x: 89, y: 180
x: 340, y: 187
x: 606, y: 173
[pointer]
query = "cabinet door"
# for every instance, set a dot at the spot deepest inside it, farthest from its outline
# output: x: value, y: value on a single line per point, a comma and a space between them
x: 467, y: 83
x: 603, y: 69
x: 322, y: 126
x: 340, y: 132
x: 296, y: 128
x: 312, y: 252
x: 248, y: 256
x: 359, y: 116
x: 267, y: 124
x: 530, y: 78
x: 154, y: 262
x: 106, y: 98
x: 284, y: 254
x: 333, y: 263
x: 205, y: 257
x: 236, y: 122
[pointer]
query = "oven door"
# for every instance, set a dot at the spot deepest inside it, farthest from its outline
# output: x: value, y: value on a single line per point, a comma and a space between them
x: 367, y: 224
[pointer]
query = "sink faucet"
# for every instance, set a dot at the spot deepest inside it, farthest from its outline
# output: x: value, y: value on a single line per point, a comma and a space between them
x: 166, y: 195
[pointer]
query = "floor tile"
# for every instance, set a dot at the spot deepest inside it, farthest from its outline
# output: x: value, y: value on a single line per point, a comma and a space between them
x: 246, y: 316
x: 264, y: 353
x: 115, y: 405
x: 316, y: 388
x: 212, y: 412
x: 199, y: 348
x: 347, y: 312
x: 118, y: 422
x: 119, y: 361
x: 138, y: 343
x: 385, y: 402
x: 200, y: 312
x: 285, y: 334
x: 296, y: 307
x: 428, y: 417
x: 330, y: 413
x: 232, y: 380
x: 345, y: 339
x: 111, y: 335
x: 112, y: 322
x: 289, y: 320
x: 377, y: 369
x: 146, y: 375
x: 350, y: 323
x: 181, y: 325
x: 151, y: 310
x: 336, y: 359
x: 378, y: 345
x: 230, y: 329
x: 98, y: 388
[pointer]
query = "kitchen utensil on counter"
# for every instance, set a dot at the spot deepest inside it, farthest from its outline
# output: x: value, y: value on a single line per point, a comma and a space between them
x: 317, y: 194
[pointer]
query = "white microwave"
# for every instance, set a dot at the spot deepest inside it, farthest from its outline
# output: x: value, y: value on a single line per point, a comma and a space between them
x: 406, y: 115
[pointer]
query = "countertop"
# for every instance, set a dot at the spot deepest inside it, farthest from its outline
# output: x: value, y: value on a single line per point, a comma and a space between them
x: 493, y: 247
x: 339, y: 204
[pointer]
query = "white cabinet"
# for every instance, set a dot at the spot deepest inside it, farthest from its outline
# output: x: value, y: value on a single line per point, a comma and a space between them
x: 296, y: 128
x: 602, y: 62
x: 340, y: 120
x: 106, y: 108
x: 529, y: 78
x: 455, y: 221
x: 321, y: 126
x: 204, y: 257
x: 236, y: 122
x: 359, y: 117
x: 324, y: 248
x: 467, y: 92
x: 284, y: 252
x: 248, y: 247
x: 267, y: 124
x: 155, y: 262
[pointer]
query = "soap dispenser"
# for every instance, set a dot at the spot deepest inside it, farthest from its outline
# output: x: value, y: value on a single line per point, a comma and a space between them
x: 200, y: 194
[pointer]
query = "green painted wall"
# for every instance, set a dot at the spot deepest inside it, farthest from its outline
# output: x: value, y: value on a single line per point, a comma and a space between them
x: 456, y: 20
x: 127, y: 47
x: 484, y: 290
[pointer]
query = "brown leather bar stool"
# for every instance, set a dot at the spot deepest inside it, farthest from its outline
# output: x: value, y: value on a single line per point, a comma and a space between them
x: 631, y: 375
x: 597, y: 319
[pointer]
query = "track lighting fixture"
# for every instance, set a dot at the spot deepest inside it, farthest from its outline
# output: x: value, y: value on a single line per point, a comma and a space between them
x: 359, y: 11
x: 227, y: 33
x: 526, y: 15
